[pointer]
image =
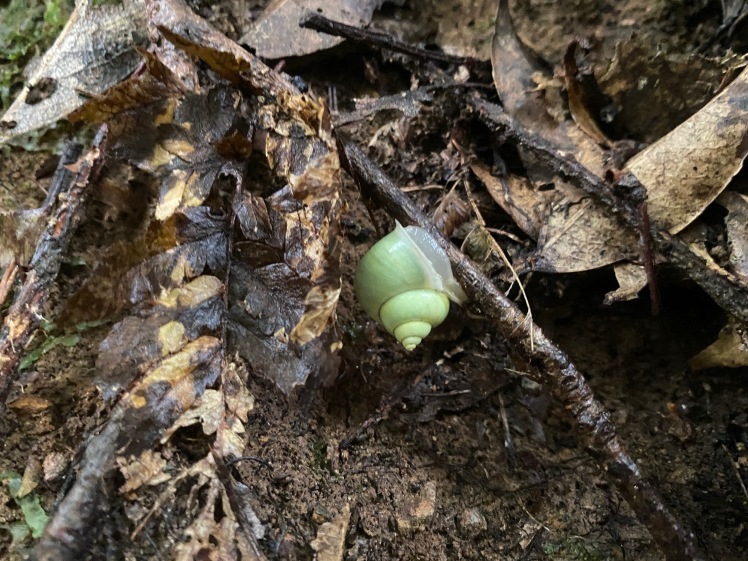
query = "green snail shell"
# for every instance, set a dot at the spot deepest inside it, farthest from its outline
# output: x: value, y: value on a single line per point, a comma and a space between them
x: 405, y: 282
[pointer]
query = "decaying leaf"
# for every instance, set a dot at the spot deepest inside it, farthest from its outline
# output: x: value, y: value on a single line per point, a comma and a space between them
x: 160, y: 329
x: 165, y: 256
x: 215, y: 535
x: 736, y: 223
x: 145, y: 469
x: 517, y: 196
x: 689, y: 167
x: 729, y: 350
x: 656, y: 90
x: 681, y: 176
x: 632, y: 278
x: 276, y: 34
x: 574, y: 233
x: 294, y: 252
x: 94, y: 51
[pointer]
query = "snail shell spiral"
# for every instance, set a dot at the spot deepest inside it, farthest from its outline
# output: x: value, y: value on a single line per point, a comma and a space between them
x: 405, y: 282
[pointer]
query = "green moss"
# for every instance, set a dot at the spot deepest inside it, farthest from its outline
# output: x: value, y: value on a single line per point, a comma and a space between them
x: 28, y: 29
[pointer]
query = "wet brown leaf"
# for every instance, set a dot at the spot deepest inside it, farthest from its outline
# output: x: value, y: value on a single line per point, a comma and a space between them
x: 163, y: 257
x: 276, y: 34
x: 688, y: 168
x: 574, y: 233
x: 94, y: 51
x: 157, y: 331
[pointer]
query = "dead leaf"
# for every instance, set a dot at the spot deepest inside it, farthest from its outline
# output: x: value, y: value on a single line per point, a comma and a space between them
x: 32, y: 473
x: 631, y: 279
x: 159, y: 330
x: 730, y: 350
x: 737, y: 233
x: 146, y: 469
x: 574, y: 233
x: 579, y: 97
x: 655, y: 90
x: 178, y: 24
x: 276, y: 34
x: 94, y: 51
x: 517, y: 196
x: 689, y: 167
x: 330, y: 541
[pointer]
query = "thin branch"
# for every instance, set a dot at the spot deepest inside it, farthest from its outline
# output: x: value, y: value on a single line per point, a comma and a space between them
x: 68, y: 190
x: 546, y: 363
x: 313, y: 20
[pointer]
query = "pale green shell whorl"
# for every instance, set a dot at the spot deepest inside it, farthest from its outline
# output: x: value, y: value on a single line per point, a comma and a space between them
x: 405, y: 282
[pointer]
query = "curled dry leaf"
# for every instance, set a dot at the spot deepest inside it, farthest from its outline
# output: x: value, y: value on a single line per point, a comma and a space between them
x: 277, y: 34
x: 94, y: 51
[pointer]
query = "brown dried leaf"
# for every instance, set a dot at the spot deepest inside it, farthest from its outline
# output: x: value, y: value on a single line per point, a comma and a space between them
x: 30, y: 404
x: 214, y: 532
x: 154, y: 83
x: 656, y: 90
x: 177, y: 23
x: 688, y: 168
x: 94, y: 51
x: 517, y: 196
x: 729, y: 350
x: 451, y: 213
x: 206, y: 411
x: 276, y: 34
x: 575, y: 234
x: 737, y: 233
x: 631, y: 279
x: 146, y: 469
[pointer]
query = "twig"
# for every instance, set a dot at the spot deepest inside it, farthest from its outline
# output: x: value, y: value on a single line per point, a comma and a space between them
x: 546, y: 363
x: 24, y: 315
x: 647, y: 251
x: 313, y: 20
x: 727, y: 291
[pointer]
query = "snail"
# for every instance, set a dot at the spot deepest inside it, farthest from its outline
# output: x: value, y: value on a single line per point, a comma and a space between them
x: 405, y: 282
